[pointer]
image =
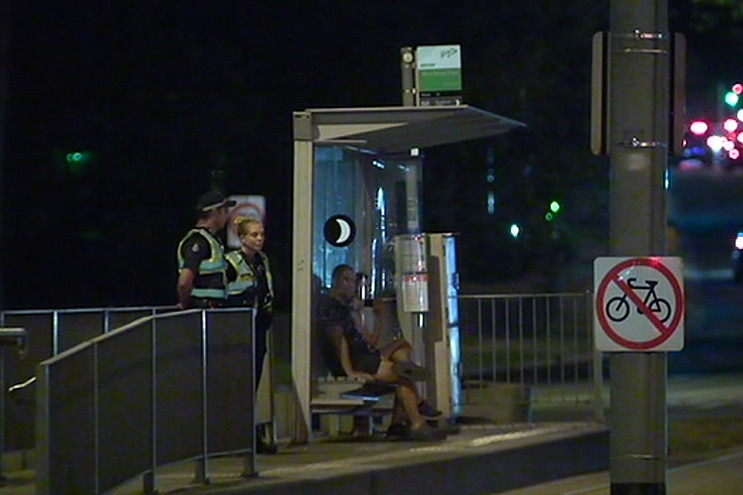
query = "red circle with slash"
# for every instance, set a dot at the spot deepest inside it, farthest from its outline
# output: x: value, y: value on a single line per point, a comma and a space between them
x: 614, y: 276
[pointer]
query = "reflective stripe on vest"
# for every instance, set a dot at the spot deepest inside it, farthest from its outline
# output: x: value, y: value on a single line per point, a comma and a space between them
x: 246, y: 277
x: 214, y: 264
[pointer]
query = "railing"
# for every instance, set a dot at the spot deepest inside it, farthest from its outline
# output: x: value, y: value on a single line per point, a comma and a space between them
x: 164, y: 388
x: 538, y: 346
x: 49, y: 332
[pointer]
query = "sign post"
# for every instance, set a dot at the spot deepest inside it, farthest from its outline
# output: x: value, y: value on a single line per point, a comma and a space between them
x: 638, y: 59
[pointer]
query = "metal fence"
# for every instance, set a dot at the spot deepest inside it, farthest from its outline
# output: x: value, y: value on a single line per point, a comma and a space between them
x: 49, y: 332
x: 537, y: 348
x: 164, y: 388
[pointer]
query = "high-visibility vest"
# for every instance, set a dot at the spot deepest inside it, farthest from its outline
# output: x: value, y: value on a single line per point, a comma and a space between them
x: 247, y: 278
x: 213, y: 265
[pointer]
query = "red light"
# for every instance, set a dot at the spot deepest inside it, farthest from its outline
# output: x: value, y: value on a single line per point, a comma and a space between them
x: 734, y: 154
x: 730, y: 125
x: 737, y: 88
x: 699, y: 127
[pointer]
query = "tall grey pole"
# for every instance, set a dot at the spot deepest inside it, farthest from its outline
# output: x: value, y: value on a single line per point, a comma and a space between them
x: 407, y: 72
x: 639, y: 93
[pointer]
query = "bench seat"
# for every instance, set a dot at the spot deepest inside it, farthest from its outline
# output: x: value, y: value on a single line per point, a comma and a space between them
x: 337, y: 398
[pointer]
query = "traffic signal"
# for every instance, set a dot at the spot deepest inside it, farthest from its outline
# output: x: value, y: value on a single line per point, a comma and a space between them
x: 553, y: 210
x: 74, y: 162
x: 732, y: 97
x: 76, y: 157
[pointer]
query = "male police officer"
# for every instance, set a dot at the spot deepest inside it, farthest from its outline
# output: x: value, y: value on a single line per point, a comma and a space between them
x: 201, y: 261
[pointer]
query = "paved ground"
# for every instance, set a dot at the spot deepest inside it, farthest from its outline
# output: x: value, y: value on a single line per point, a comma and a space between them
x: 375, y: 467
x: 481, y: 459
x: 718, y: 473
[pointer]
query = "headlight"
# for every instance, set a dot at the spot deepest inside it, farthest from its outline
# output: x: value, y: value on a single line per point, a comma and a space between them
x: 739, y: 241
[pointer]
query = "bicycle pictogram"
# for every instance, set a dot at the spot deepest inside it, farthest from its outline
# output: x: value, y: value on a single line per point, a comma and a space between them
x: 618, y: 307
x: 639, y: 304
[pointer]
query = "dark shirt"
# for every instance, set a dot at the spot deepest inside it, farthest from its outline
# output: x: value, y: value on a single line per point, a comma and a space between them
x: 194, y: 250
x: 333, y: 315
x: 262, y: 294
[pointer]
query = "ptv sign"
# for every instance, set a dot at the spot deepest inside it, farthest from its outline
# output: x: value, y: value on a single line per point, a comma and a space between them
x: 639, y: 304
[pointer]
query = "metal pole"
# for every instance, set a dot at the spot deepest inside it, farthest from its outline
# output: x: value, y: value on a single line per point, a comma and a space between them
x: 407, y: 70
x: 639, y: 93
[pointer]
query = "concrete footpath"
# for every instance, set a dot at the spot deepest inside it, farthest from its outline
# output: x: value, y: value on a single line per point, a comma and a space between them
x: 477, y: 460
x: 481, y: 459
x: 690, y: 396
x: 719, y: 475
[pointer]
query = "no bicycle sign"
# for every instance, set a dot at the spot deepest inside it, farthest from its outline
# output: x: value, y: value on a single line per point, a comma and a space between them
x: 638, y: 304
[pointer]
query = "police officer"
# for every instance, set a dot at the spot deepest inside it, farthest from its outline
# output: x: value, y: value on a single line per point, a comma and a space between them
x: 201, y: 261
x: 250, y: 284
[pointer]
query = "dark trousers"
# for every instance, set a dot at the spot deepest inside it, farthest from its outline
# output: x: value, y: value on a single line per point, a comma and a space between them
x: 262, y: 324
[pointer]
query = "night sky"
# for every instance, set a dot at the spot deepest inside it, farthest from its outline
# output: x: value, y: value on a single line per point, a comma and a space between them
x: 166, y: 98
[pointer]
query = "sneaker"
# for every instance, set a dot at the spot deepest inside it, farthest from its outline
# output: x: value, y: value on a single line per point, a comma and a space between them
x: 410, y: 370
x: 426, y: 434
x: 427, y: 410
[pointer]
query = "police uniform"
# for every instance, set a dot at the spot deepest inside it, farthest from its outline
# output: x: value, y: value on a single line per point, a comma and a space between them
x: 251, y: 285
x: 203, y: 253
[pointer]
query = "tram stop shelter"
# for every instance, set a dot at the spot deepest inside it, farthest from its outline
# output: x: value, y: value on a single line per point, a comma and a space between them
x: 357, y: 191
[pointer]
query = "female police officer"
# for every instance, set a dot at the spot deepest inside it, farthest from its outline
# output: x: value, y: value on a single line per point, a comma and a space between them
x: 250, y: 284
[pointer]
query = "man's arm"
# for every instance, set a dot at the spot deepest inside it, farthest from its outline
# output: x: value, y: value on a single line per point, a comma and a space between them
x: 344, y: 355
x: 185, y: 285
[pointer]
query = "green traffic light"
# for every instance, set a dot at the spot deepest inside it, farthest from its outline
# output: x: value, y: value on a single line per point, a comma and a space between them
x: 77, y: 162
x: 554, y: 207
x: 731, y: 98
x: 74, y: 157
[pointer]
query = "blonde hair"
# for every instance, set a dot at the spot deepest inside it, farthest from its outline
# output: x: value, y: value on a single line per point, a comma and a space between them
x: 242, y: 223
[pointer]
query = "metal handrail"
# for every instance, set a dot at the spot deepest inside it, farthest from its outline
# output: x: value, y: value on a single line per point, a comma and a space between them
x: 171, y: 368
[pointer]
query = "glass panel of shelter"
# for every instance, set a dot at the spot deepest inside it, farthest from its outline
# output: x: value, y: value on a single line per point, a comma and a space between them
x: 378, y: 196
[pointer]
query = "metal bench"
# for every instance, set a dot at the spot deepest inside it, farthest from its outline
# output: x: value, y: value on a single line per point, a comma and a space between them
x: 340, y: 398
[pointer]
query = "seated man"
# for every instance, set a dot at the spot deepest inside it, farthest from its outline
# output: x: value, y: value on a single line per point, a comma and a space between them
x: 358, y: 357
